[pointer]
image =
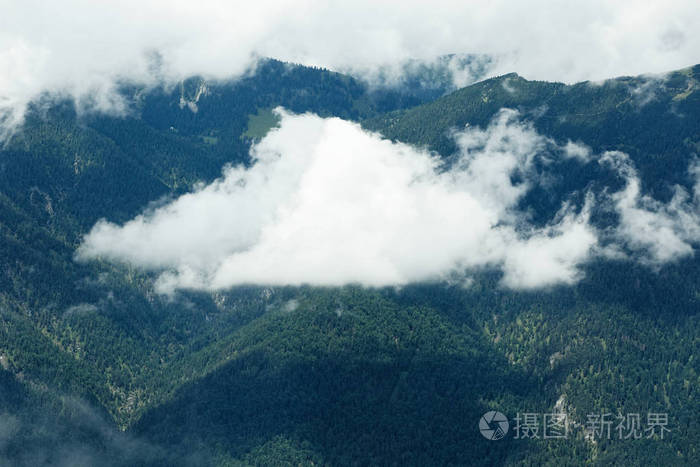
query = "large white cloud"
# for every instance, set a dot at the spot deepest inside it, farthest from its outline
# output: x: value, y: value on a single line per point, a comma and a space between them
x: 80, y: 47
x: 327, y: 203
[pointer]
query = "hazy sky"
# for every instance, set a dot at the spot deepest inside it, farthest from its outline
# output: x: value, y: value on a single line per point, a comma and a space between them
x: 81, y: 47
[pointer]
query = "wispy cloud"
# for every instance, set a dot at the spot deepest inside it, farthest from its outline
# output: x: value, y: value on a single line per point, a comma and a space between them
x: 655, y: 232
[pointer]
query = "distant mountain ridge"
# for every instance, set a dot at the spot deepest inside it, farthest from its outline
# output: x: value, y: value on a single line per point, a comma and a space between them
x: 649, y: 117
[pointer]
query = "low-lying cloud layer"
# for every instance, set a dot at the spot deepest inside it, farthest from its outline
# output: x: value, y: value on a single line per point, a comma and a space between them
x: 81, y: 48
x: 328, y: 203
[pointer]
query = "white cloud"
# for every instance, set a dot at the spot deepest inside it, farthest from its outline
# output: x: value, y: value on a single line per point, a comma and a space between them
x: 490, y: 157
x: 554, y: 254
x: 80, y: 309
x: 694, y: 170
x: 658, y: 232
x: 648, y: 90
x: 79, y: 47
x: 577, y: 151
x: 438, y: 72
x: 327, y: 203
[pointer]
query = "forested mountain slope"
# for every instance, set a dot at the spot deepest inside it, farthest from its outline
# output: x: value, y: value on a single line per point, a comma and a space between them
x: 265, y: 376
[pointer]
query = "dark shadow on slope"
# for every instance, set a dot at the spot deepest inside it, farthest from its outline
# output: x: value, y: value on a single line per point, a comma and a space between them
x: 351, y: 412
x: 352, y: 402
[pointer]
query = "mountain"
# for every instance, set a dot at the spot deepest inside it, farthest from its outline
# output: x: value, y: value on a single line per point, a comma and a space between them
x: 649, y: 118
x: 98, y: 368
